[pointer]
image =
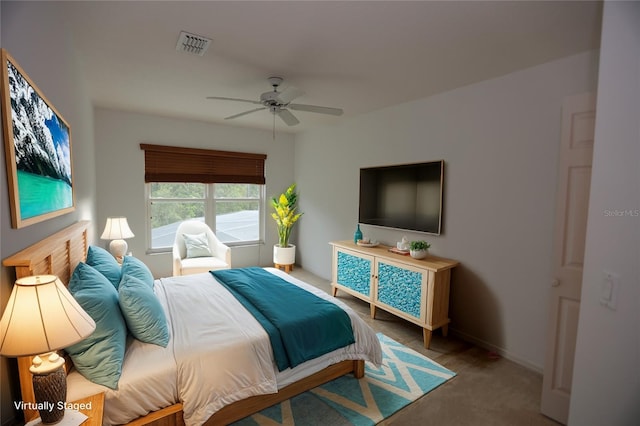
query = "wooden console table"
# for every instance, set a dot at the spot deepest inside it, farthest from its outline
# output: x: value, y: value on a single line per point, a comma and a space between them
x: 412, y: 289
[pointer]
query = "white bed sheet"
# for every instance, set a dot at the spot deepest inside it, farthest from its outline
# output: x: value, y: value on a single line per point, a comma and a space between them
x: 155, y: 377
x: 240, y: 364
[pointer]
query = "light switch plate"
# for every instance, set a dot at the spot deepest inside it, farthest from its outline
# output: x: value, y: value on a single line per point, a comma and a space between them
x: 609, y: 290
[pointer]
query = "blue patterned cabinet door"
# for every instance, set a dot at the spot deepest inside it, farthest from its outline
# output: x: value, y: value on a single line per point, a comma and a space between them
x: 354, y: 272
x: 400, y: 288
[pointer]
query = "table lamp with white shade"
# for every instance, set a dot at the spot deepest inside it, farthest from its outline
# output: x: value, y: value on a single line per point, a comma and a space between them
x: 40, y: 318
x: 117, y: 230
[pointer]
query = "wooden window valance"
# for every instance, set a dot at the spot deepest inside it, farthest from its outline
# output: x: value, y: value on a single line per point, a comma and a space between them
x: 176, y: 164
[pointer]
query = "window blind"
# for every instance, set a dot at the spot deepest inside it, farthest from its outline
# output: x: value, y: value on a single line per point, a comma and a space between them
x: 177, y: 164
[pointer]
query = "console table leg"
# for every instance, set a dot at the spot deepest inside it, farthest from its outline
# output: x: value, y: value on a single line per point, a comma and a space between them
x: 426, y: 334
x: 445, y: 330
x: 334, y: 291
x: 372, y: 307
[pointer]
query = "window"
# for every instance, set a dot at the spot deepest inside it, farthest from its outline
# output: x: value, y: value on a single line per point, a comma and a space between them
x: 222, y: 188
x: 232, y: 210
x: 237, y: 212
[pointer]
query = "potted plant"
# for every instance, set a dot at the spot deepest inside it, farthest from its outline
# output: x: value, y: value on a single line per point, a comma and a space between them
x: 419, y: 249
x: 285, y: 216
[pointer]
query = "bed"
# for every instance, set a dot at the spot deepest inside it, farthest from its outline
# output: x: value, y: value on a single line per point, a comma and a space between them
x: 155, y: 381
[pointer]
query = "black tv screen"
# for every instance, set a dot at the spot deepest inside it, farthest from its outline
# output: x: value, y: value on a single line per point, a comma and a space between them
x: 407, y: 196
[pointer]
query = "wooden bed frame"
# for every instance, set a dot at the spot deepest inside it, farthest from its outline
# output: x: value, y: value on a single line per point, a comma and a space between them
x: 61, y: 252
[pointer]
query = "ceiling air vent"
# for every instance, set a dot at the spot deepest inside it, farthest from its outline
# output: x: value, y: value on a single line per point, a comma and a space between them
x: 192, y: 43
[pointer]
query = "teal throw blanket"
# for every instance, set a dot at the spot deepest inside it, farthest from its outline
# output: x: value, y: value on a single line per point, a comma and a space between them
x: 301, y: 326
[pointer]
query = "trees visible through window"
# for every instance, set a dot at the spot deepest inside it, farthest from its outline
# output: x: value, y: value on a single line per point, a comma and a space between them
x: 232, y: 210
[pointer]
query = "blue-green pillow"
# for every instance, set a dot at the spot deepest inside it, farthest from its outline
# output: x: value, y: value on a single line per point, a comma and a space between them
x: 99, y: 357
x: 135, y: 267
x: 105, y: 263
x: 143, y: 312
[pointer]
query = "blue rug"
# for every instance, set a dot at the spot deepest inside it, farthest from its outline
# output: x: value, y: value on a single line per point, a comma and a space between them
x: 403, y: 377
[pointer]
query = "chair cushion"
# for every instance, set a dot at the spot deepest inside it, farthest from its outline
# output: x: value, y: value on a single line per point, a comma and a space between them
x: 198, y: 265
x: 197, y: 245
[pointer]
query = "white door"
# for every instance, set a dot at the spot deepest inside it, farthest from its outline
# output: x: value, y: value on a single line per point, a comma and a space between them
x: 574, y: 179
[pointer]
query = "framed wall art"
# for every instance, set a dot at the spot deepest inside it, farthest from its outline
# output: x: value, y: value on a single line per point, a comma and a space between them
x: 37, y: 149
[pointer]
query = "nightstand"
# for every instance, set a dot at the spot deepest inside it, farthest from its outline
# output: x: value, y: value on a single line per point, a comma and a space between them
x: 91, y: 406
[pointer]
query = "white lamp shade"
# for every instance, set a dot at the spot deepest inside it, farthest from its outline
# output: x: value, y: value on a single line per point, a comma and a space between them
x: 42, y: 316
x: 117, y: 228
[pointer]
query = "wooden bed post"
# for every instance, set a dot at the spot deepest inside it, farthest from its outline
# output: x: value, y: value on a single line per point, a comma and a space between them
x: 358, y: 368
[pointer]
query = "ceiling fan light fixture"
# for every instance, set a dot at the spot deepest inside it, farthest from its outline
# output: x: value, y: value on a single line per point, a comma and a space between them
x: 192, y: 43
x: 278, y: 103
x: 275, y: 81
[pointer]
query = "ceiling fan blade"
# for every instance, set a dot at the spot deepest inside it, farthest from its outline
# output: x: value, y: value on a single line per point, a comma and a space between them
x: 287, y: 117
x: 289, y: 94
x: 315, y: 108
x: 244, y: 113
x: 234, y: 99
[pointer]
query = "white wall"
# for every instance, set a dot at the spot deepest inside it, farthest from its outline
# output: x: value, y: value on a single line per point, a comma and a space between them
x: 120, y: 172
x: 606, y: 378
x: 33, y: 36
x: 500, y: 141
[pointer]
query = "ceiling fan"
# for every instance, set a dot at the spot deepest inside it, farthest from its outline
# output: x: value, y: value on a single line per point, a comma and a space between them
x: 279, y: 103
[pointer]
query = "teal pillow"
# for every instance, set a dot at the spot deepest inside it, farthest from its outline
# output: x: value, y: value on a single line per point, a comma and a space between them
x: 105, y: 263
x: 143, y: 312
x: 137, y: 268
x: 99, y: 357
x: 197, y: 245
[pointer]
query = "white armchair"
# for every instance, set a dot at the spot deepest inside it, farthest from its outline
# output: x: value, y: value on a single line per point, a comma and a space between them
x: 183, y: 265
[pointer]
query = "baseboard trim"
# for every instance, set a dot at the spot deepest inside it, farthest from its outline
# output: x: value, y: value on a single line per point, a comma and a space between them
x: 500, y: 351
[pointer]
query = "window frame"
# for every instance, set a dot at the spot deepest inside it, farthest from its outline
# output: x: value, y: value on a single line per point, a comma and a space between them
x: 209, y: 201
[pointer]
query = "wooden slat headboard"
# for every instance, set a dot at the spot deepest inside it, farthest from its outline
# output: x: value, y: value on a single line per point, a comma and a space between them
x: 57, y: 254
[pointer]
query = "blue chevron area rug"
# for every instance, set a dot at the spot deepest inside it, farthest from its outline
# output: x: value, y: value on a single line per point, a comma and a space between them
x: 403, y: 377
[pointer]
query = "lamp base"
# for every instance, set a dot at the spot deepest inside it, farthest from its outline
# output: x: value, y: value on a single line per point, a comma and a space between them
x: 49, y: 386
x: 50, y: 391
x: 118, y: 248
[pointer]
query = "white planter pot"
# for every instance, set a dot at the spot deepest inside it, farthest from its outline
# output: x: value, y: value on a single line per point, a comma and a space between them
x: 284, y: 255
x: 418, y: 254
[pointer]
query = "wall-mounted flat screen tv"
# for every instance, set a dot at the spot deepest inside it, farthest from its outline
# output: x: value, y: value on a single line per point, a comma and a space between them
x: 407, y: 196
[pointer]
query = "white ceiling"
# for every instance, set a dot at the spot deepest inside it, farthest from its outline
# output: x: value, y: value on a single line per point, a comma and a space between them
x: 356, y: 55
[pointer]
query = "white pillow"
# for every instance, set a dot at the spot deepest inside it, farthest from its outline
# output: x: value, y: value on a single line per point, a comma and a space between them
x: 197, y: 245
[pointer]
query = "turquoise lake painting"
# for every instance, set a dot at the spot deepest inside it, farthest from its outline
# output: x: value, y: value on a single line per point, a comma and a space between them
x: 40, y: 172
x: 41, y: 194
